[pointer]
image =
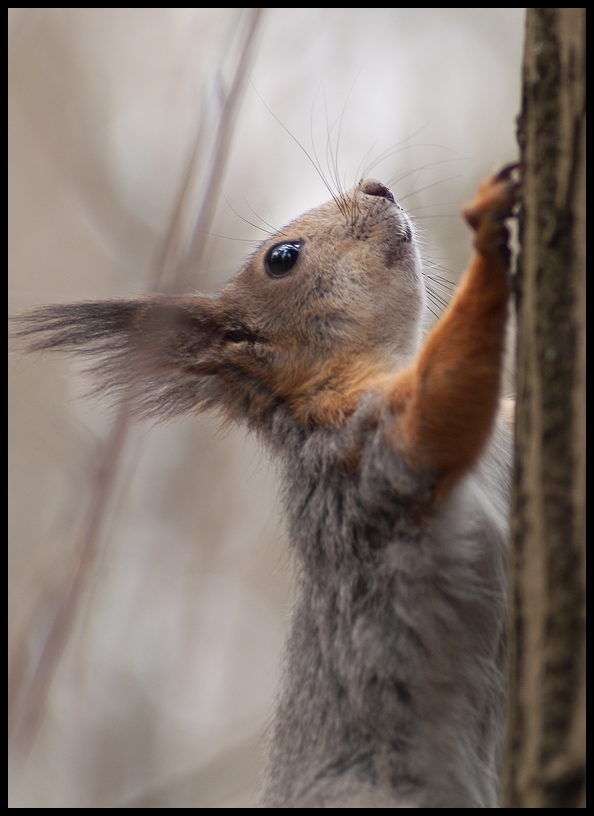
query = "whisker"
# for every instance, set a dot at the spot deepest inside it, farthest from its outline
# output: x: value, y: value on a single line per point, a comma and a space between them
x: 394, y: 149
x: 314, y: 164
x: 269, y: 231
x: 418, y: 190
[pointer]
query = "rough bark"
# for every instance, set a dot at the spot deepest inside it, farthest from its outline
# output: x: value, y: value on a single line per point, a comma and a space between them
x: 546, y: 753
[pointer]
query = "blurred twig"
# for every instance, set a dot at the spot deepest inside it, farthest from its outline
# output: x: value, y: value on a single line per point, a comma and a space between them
x: 26, y: 708
x: 229, y: 110
x: 29, y: 690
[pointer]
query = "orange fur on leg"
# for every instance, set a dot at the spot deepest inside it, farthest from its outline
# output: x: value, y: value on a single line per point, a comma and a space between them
x: 446, y: 402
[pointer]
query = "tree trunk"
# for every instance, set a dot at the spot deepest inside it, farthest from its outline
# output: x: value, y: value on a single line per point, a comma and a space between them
x: 545, y: 766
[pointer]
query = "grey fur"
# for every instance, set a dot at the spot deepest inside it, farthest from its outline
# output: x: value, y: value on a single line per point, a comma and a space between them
x: 394, y: 677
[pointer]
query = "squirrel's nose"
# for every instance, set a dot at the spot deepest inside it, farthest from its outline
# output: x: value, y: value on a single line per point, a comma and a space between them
x: 375, y: 188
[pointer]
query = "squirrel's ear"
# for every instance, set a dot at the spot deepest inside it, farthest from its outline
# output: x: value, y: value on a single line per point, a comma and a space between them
x: 156, y: 350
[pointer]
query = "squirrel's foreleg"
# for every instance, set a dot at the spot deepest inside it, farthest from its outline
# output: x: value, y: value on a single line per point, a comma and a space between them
x: 445, y: 403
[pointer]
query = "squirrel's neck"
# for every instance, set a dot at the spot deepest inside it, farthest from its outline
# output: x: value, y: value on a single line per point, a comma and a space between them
x: 330, y: 393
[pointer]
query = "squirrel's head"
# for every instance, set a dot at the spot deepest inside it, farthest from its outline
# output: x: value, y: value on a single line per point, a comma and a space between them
x: 323, y: 307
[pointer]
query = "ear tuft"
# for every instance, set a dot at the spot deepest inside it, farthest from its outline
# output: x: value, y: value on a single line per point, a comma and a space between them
x: 155, y: 350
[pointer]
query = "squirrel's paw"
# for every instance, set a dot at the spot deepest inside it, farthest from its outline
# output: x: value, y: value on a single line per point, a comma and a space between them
x: 490, y: 207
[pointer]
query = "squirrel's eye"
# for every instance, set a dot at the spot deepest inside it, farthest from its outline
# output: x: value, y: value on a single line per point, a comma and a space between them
x: 282, y: 258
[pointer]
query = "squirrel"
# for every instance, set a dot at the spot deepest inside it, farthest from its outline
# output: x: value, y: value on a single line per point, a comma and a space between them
x: 395, y: 451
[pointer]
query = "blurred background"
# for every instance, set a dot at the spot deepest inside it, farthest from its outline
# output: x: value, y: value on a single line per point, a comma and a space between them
x: 153, y: 149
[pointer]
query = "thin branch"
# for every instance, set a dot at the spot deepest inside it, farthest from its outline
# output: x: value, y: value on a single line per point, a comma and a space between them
x: 218, y: 164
